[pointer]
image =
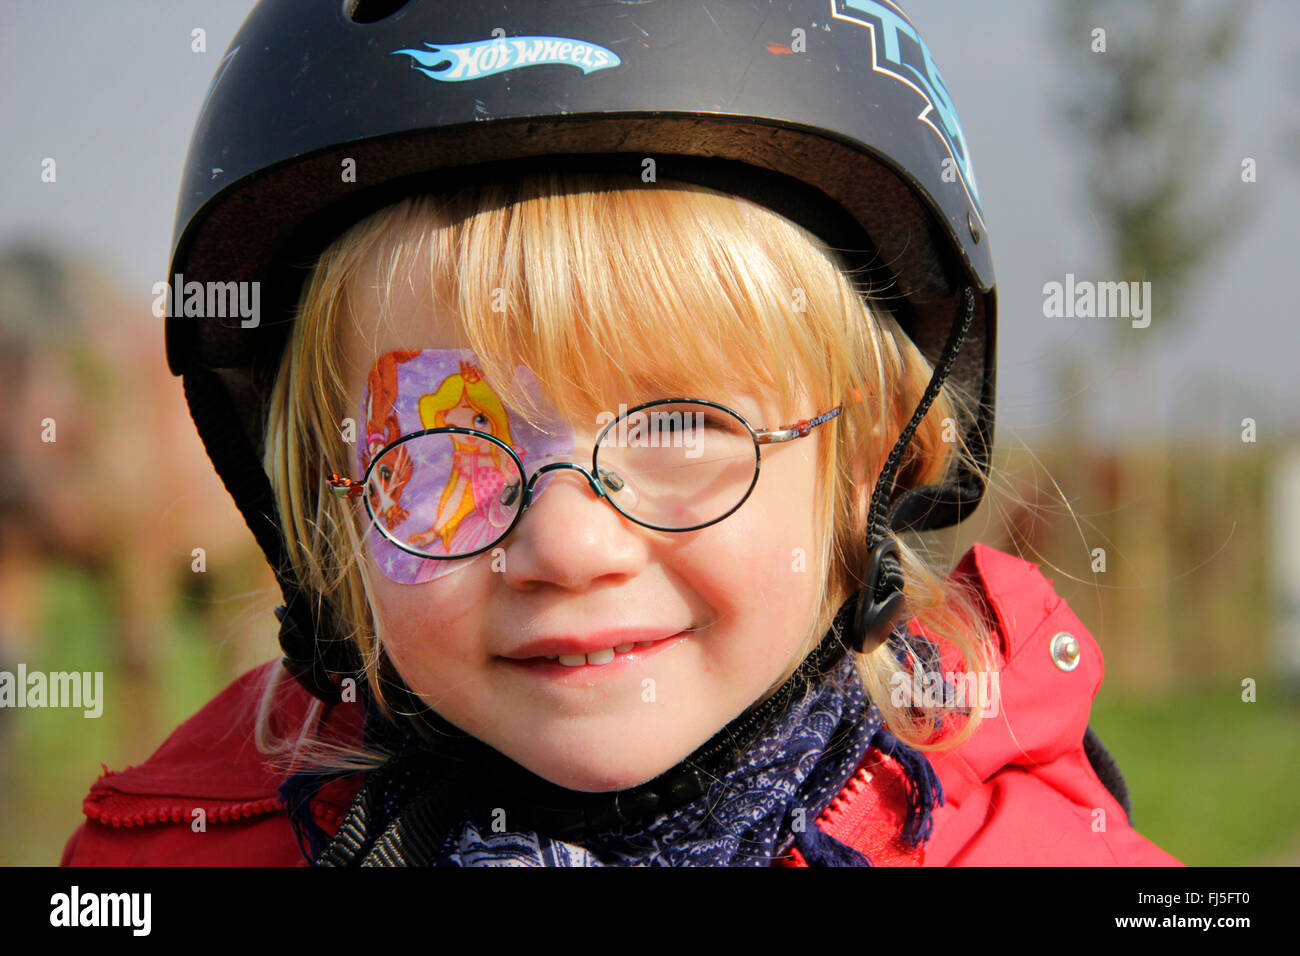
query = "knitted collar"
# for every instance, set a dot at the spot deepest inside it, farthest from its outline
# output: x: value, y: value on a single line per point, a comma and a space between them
x: 742, y: 799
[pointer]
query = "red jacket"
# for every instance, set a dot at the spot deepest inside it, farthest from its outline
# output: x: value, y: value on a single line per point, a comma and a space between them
x: 1020, y: 792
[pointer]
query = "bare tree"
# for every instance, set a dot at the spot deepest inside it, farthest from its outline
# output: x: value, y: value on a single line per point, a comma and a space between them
x: 1139, y: 110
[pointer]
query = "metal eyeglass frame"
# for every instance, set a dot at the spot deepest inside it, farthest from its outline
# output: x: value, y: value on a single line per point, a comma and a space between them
x: 342, y: 487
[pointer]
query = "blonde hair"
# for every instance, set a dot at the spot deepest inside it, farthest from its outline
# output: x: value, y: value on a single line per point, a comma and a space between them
x: 599, y: 273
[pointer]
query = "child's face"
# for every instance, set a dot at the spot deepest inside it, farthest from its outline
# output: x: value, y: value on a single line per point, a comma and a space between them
x: 574, y: 566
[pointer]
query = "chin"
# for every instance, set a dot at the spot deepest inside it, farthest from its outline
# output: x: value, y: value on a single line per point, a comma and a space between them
x: 617, y: 772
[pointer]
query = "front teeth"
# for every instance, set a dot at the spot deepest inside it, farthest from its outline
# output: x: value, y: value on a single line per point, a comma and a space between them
x: 596, y: 657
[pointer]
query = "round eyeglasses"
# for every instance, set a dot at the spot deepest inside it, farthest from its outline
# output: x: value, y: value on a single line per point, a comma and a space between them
x: 676, y: 464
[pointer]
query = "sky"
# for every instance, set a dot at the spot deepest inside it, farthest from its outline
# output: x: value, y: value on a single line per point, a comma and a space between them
x: 111, y: 90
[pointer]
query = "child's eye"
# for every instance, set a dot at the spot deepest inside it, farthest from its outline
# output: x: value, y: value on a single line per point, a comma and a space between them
x: 481, y: 421
x: 708, y: 421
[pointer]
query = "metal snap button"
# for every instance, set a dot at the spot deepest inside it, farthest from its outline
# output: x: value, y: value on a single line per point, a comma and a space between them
x: 1065, y: 651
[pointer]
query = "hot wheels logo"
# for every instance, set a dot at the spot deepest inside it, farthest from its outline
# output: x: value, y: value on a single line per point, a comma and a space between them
x: 456, y: 62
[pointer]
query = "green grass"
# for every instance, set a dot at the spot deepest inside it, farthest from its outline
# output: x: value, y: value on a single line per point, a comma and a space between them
x: 1212, y: 778
x: 57, y: 753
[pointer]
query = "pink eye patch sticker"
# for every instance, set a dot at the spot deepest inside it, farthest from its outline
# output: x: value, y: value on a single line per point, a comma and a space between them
x: 452, y: 493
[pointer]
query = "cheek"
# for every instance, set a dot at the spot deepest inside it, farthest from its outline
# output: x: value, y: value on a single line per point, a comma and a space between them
x: 757, y: 571
x: 429, y: 627
x: 787, y: 528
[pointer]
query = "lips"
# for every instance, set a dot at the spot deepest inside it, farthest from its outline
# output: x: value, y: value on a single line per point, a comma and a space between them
x: 591, y: 643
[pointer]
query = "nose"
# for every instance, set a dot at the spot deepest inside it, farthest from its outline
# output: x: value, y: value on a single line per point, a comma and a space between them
x: 568, y: 536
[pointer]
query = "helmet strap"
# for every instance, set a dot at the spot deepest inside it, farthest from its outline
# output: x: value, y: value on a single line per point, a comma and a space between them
x: 880, y: 601
x: 312, y: 660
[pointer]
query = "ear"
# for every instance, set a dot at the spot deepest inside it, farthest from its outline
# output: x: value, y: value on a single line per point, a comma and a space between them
x: 863, y: 489
x: 865, y: 483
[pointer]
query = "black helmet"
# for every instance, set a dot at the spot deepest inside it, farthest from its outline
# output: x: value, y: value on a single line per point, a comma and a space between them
x: 830, y: 112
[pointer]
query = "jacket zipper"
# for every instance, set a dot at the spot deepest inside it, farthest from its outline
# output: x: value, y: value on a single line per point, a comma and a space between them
x: 860, y: 780
x: 856, y: 790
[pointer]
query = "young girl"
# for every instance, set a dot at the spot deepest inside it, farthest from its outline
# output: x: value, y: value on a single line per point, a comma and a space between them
x: 649, y: 393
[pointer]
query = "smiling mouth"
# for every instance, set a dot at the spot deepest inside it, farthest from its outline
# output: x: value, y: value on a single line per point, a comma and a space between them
x: 597, y: 658
x: 558, y: 665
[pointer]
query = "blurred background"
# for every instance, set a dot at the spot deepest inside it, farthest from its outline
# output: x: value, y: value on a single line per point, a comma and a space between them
x: 1152, y: 473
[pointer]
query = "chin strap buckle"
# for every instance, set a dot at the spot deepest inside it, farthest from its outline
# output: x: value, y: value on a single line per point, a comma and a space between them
x: 880, y: 603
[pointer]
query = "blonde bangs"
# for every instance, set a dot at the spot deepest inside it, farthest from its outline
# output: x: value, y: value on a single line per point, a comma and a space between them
x: 613, y: 291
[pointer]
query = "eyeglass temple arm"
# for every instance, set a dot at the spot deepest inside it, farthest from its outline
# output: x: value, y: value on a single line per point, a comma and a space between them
x: 803, y: 427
